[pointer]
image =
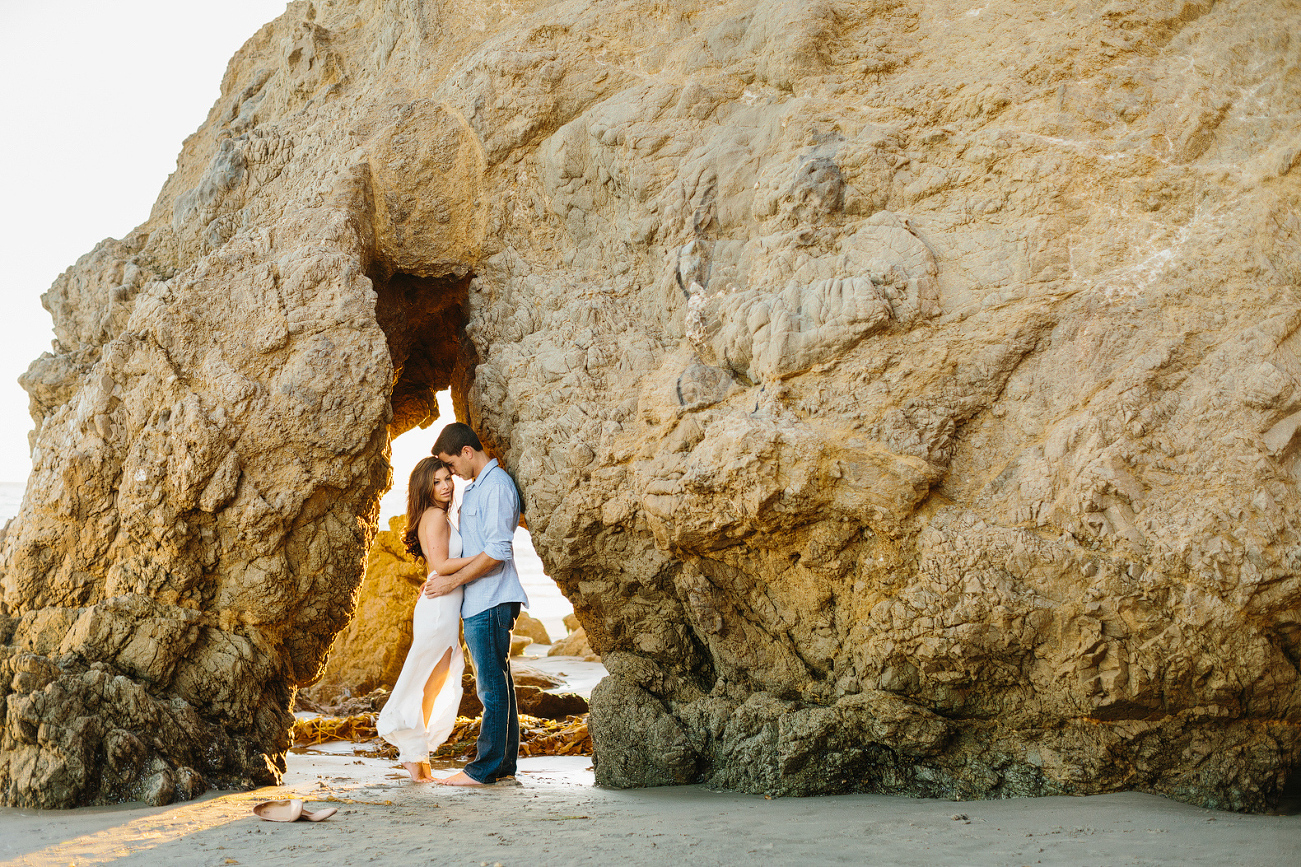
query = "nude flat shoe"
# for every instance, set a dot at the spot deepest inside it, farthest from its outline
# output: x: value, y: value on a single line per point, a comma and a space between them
x: 279, y: 811
x: 290, y: 811
x: 319, y: 814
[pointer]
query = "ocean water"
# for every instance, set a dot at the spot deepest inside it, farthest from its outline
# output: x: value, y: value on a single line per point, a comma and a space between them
x: 11, y: 497
x: 546, y: 601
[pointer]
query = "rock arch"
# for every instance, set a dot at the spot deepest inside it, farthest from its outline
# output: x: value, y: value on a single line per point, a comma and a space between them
x: 897, y: 418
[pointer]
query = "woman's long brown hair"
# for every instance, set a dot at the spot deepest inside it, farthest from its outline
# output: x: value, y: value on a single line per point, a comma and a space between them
x: 420, y: 496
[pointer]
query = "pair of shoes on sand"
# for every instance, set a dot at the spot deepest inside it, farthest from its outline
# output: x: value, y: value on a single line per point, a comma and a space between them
x: 290, y: 811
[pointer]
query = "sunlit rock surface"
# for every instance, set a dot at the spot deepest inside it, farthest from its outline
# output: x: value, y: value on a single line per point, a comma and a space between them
x: 904, y: 393
x: 369, y: 652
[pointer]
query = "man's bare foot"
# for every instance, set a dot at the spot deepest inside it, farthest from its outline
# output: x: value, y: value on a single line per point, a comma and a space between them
x: 420, y: 772
x: 460, y: 778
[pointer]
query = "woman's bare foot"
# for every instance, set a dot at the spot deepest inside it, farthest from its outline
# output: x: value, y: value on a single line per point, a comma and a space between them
x: 460, y: 778
x: 420, y: 772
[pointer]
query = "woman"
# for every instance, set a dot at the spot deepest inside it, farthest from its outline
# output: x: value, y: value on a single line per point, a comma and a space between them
x: 422, y: 709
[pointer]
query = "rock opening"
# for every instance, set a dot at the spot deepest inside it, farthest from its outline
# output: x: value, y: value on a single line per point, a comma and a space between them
x: 424, y: 320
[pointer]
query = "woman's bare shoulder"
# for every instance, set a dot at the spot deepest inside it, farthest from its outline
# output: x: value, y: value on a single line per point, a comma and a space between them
x: 434, y: 519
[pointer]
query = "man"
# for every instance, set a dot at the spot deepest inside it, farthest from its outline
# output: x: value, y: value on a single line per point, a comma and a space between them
x: 490, y: 511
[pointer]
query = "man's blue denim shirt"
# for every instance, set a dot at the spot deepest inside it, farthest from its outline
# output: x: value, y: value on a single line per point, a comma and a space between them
x: 489, y: 516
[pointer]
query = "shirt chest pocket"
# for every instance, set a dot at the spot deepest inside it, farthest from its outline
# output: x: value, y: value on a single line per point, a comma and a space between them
x: 470, y: 511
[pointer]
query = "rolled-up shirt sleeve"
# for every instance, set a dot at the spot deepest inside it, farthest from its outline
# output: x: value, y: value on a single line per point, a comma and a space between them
x: 500, y: 517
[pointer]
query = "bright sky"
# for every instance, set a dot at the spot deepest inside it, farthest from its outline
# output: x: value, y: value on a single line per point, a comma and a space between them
x: 97, y: 100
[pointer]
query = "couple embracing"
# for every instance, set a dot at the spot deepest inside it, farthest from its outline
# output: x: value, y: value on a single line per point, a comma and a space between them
x: 472, y: 578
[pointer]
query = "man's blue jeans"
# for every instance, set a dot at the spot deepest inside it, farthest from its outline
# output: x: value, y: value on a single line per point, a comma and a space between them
x: 487, y: 635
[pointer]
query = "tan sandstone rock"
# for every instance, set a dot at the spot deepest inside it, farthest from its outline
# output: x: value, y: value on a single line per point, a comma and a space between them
x: 574, y: 644
x: 531, y: 628
x: 369, y: 652
x: 905, y: 394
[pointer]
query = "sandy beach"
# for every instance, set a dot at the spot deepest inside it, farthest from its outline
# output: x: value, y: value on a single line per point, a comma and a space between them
x: 556, y: 816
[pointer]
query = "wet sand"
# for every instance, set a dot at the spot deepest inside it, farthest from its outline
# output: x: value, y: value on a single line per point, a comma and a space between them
x: 556, y: 816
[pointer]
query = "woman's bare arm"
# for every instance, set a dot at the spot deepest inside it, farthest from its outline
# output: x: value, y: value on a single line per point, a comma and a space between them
x: 434, y: 536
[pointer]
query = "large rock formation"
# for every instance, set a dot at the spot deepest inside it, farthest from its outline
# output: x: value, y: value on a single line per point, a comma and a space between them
x: 906, y: 394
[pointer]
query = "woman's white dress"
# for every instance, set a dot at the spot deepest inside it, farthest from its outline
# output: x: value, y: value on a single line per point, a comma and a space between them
x: 435, y: 627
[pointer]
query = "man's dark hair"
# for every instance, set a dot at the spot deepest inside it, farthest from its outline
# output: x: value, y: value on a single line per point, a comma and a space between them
x: 455, y: 437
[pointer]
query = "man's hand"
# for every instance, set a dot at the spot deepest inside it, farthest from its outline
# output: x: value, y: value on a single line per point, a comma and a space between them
x: 439, y: 585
